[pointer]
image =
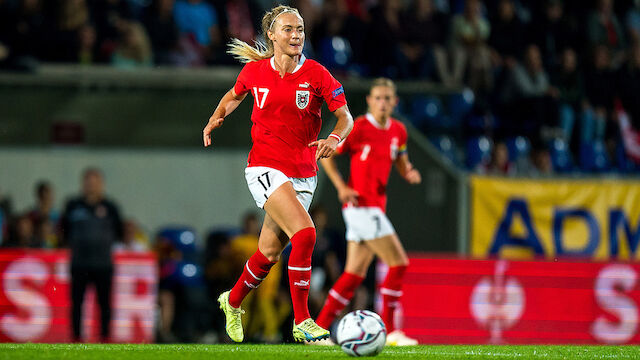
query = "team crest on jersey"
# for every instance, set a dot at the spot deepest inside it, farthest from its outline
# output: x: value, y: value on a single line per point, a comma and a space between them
x: 302, y: 99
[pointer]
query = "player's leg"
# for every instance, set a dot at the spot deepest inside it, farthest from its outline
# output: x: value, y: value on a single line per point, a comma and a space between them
x: 389, y: 249
x: 359, y: 257
x: 285, y: 207
x: 270, y: 245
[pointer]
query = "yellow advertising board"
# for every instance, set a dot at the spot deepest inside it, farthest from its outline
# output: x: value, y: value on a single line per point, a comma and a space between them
x: 516, y: 218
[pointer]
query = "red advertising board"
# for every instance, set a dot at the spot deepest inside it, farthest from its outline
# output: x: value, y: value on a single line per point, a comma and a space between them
x: 35, y: 306
x: 451, y: 301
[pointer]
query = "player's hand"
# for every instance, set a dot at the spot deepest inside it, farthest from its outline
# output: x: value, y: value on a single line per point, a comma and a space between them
x: 413, y: 177
x: 326, y: 147
x: 347, y: 195
x: 214, y: 123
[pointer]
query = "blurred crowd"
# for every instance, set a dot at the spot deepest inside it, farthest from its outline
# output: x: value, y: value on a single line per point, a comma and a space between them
x: 193, y: 269
x: 557, y: 72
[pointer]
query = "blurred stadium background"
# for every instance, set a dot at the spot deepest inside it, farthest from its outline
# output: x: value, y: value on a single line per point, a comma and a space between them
x: 522, y: 118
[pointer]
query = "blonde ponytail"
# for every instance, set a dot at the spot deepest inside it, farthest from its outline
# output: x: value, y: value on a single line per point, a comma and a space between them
x: 246, y: 53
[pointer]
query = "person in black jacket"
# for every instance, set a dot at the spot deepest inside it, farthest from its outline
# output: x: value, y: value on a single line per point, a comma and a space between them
x: 91, y: 224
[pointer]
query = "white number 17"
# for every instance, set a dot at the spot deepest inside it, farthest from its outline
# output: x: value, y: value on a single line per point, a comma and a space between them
x: 260, y: 101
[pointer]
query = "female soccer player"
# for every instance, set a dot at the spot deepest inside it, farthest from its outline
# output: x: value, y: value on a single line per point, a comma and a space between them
x: 376, y: 142
x: 288, y: 91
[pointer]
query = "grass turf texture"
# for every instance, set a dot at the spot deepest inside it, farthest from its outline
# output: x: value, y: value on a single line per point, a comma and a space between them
x: 284, y: 352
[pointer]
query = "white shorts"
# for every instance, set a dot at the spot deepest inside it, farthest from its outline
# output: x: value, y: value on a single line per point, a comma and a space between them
x: 366, y: 223
x: 263, y: 181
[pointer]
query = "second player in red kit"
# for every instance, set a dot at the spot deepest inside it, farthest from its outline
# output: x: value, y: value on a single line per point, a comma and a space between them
x: 373, y: 148
x: 377, y: 142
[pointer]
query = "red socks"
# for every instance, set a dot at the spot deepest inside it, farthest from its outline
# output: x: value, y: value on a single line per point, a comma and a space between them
x: 255, y: 270
x: 302, y: 244
x: 339, y: 296
x: 391, y: 291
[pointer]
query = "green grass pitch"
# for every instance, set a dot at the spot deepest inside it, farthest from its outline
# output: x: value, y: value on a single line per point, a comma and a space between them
x: 284, y: 352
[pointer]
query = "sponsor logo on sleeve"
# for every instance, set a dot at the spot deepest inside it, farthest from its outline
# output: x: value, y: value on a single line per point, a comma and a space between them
x: 338, y: 91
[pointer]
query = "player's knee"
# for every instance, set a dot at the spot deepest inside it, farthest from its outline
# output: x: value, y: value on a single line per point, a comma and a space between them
x: 305, y: 237
x: 272, y: 253
x: 356, y: 269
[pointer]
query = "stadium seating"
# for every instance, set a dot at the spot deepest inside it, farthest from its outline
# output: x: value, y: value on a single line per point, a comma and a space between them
x: 427, y: 112
x: 519, y: 148
x: 335, y: 53
x: 478, y: 151
x: 561, y: 156
x: 447, y: 147
x: 593, y: 157
x: 623, y: 162
x: 459, y: 105
x: 182, y: 238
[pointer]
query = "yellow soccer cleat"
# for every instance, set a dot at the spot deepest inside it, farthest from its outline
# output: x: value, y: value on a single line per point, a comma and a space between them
x: 308, y: 330
x: 233, y: 317
x: 398, y: 338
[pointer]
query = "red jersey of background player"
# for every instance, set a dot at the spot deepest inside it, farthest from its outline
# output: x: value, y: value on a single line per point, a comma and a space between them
x: 286, y: 113
x: 373, y: 150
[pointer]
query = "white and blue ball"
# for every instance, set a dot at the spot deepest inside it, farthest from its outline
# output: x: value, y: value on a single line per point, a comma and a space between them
x: 361, y: 333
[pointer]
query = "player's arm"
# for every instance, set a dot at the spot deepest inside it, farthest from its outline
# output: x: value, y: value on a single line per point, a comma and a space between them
x: 406, y: 169
x: 228, y: 103
x: 326, y: 147
x: 346, y: 194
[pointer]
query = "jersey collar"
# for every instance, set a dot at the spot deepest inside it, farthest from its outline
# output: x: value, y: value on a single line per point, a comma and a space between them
x: 373, y: 122
x: 303, y: 58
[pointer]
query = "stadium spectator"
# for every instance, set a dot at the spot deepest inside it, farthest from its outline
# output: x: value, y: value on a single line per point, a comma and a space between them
x: 87, y: 45
x: 133, y: 238
x: 632, y: 23
x: 237, y: 19
x: 383, y: 37
x: 108, y: 16
x: 5, y: 217
x: 628, y: 85
x: 26, y: 29
x: 43, y: 208
x: 22, y: 233
x: 168, y: 288
x: 506, y: 35
x: 163, y: 31
x: 604, y: 28
x: 571, y: 93
x: 133, y: 49
x: 470, y: 32
x: 337, y: 21
x: 554, y: 32
x: 533, y: 104
x: 91, y: 224
x: 600, y: 91
x: 43, y: 216
x: 423, y: 36
x: 199, y: 20
x: 70, y: 17
x: 499, y: 163
x: 541, y: 160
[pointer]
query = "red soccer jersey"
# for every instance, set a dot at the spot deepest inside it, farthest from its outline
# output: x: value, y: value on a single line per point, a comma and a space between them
x: 286, y: 113
x: 373, y: 150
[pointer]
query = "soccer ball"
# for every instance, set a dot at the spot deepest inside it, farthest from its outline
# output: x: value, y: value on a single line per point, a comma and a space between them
x: 361, y: 333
